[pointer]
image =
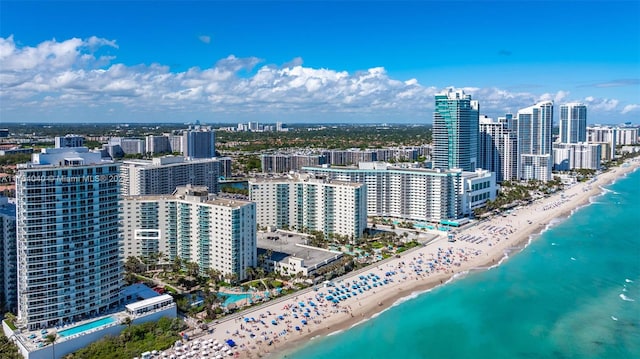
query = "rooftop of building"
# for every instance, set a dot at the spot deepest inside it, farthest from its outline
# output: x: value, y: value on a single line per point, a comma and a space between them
x: 284, y: 245
x: 196, y: 194
x: 167, y: 161
x: 301, y: 177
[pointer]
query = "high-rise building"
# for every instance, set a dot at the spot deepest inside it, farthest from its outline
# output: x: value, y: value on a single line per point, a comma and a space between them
x: 497, y: 149
x: 573, y: 123
x: 534, y: 125
x: 304, y: 202
x: 455, y: 131
x: 69, y: 141
x: 162, y: 175
x: 8, y: 251
x: 199, y: 142
x: 568, y: 156
x: 157, y: 144
x: 605, y: 135
x: 416, y: 194
x: 195, y: 226
x: 68, y: 245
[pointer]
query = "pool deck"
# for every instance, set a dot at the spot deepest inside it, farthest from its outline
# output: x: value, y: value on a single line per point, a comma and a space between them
x: 34, y: 338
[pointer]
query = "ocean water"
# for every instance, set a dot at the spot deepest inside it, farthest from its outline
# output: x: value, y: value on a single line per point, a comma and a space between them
x: 574, y: 292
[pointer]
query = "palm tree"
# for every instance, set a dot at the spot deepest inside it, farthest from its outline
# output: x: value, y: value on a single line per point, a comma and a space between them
x: 51, y: 338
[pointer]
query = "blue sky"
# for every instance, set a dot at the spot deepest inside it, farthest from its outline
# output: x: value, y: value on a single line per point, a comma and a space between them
x: 312, y: 61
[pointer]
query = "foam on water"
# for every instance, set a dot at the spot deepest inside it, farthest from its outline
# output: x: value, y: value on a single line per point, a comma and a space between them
x: 530, y: 316
x: 626, y: 299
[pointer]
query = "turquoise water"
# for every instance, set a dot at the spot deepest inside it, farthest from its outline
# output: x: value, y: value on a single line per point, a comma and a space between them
x: 86, y: 326
x: 232, y: 298
x: 573, y: 293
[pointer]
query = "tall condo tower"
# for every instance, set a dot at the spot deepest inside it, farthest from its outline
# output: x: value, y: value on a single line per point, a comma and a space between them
x: 455, y: 131
x: 534, y: 125
x: 69, y: 263
x: 573, y: 123
x: 199, y: 142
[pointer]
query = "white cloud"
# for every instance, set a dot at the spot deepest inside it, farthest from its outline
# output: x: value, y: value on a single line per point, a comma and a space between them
x: 69, y: 74
x: 629, y: 108
x: 205, y: 38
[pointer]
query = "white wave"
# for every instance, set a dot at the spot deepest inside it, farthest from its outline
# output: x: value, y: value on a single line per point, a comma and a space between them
x: 625, y: 298
x: 335, y: 333
x: 628, y: 280
x: 554, y: 244
x: 624, y: 289
x: 573, y: 259
x: 614, y: 318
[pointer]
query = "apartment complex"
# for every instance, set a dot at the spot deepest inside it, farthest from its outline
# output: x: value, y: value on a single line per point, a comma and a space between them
x: 162, y: 175
x: 497, y: 149
x: 455, y: 131
x: 573, y: 123
x: 8, y: 252
x: 533, y: 130
x: 68, y: 248
x: 414, y: 194
x: 193, y: 225
x: 303, y: 202
x: 569, y: 156
x: 199, y: 142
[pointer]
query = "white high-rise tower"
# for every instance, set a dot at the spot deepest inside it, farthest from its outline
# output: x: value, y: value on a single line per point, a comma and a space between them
x: 68, y: 249
x: 573, y: 123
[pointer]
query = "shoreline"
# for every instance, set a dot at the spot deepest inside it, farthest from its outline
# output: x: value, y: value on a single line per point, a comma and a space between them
x: 483, y: 246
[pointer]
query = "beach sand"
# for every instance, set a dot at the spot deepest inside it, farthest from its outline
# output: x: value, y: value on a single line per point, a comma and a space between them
x: 478, y: 246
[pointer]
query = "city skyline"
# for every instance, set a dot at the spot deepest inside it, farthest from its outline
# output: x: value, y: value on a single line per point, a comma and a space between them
x: 312, y: 62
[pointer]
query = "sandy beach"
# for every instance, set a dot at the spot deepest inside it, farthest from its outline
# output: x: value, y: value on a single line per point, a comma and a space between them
x: 279, y: 326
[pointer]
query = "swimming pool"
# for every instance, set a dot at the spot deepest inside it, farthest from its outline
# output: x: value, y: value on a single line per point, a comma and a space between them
x: 86, y: 326
x: 233, y: 297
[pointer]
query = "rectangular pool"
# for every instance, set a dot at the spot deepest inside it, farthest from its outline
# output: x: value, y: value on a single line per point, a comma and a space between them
x: 86, y: 327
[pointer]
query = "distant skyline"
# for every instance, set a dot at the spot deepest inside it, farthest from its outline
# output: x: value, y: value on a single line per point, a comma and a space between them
x: 313, y: 61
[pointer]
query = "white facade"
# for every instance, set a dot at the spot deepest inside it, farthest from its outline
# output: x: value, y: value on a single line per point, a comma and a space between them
x: 604, y: 134
x: 568, y: 156
x: 215, y: 233
x: 69, y: 264
x: 405, y: 193
x: 626, y: 136
x: 163, y: 174
x: 497, y: 149
x: 69, y: 141
x: 479, y: 187
x: 535, y: 167
x: 573, y: 123
x: 534, y: 125
x: 331, y: 207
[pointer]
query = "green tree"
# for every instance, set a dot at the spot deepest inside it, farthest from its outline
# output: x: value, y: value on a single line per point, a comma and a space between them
x: 51, y: 339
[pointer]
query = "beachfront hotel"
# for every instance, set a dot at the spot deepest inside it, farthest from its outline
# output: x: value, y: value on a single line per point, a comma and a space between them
x: 193, y: 225
x: 8, y: 252
x: 569, y: 156
x: 68, y: 245
x: 455, y: 131
x: 415, y: 194
x: 533, y: 130
x: 162, y: 175
x: 304, y: 202
x: 497, y: 149
x: 573, y: 123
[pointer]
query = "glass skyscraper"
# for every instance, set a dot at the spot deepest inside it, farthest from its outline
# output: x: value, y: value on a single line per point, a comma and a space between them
x: 455, y: 131
x: 573, y: 123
